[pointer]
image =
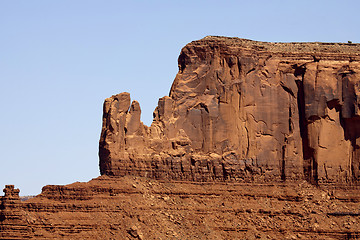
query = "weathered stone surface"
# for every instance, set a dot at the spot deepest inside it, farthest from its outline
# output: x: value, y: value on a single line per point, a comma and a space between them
x: 12, y: 223
x: 242, y: 110
x: 239, y: 113
x: 142, y: 208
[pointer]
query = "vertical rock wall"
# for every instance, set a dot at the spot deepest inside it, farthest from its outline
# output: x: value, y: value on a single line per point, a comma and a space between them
x: 241, y: 110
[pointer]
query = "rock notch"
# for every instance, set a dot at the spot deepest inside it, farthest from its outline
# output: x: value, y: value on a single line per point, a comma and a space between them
x: 241, y: 110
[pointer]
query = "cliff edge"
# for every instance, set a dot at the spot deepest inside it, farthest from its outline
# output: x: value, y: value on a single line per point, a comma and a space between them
x: 242, y: 110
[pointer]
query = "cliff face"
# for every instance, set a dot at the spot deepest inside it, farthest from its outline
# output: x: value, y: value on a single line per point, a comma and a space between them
x: 241, y: 110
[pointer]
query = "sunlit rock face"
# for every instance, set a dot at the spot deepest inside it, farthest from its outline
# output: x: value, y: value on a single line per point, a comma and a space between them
x: 241, y: 110
x: 244, y: 125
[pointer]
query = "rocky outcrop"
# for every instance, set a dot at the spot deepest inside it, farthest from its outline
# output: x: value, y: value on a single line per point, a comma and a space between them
x: 239, y: 114
x: 142, y: 208
x: 12, y: 223
x: 241, y: 110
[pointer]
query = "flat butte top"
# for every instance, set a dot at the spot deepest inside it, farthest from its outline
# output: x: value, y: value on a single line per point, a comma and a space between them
x: 352, y: 49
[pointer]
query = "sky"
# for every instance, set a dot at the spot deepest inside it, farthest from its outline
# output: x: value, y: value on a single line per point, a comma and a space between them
x: 60, y: 59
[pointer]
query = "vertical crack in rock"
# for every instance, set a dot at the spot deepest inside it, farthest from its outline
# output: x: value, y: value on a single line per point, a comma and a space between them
x: 283, y: 165
x: 350, y: 120
x: 290, y: 120
x: 308, y: 152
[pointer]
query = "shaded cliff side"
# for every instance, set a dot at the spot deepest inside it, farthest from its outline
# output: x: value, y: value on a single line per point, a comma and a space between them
x: 241, y: 110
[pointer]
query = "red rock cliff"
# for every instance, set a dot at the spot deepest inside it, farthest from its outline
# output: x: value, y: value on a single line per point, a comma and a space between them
x: 243, y: 110
x: 239, y: 111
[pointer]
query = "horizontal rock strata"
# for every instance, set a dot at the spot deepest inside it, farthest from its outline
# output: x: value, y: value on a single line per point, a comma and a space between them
x: 242, y: 110
x: 142, y: 208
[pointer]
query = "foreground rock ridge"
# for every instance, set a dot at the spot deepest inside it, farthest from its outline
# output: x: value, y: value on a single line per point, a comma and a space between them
x: 256, y: 140
x: 143, y: 208
x: 241, y: 110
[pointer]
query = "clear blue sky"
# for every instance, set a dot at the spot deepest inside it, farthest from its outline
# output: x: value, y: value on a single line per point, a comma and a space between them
x: 60, y: 59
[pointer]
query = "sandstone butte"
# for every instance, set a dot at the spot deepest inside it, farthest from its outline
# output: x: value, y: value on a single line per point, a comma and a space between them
x: 255, y: 140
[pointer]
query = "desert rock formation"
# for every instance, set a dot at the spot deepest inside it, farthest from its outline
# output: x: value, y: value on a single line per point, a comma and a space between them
x: 143, y: 208
x: 255, y: 141
x: 241, y: 110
